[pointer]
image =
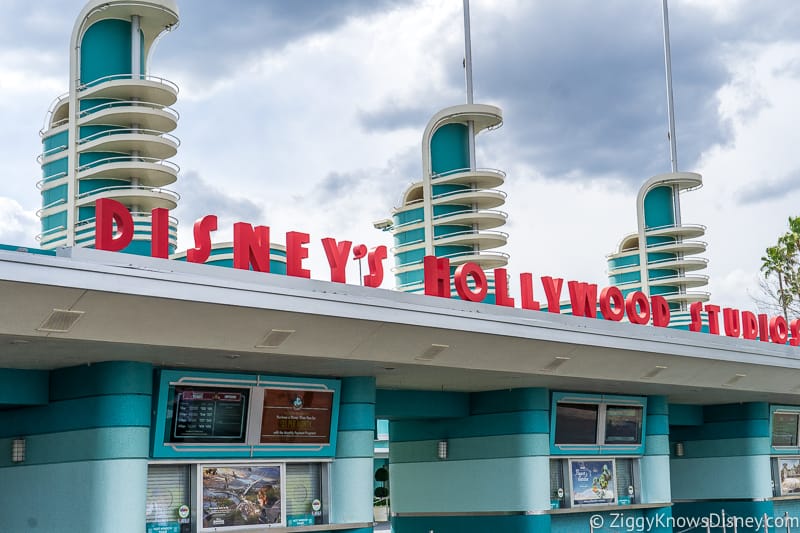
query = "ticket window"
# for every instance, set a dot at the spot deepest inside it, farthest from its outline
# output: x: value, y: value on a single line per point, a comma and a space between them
x: 169, y: 498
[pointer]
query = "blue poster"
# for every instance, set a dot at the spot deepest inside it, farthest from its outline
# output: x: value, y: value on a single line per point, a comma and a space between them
x: 593, y: 481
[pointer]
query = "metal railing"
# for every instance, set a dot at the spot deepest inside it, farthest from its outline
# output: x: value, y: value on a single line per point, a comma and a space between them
x: 130, y: 103
x: 49, y: 179
x: 130, y: 159
x: 130, y: 131
x: 41, y: 157
x: 131, y: 77
x: 449, y: 173
x: 137, y: 188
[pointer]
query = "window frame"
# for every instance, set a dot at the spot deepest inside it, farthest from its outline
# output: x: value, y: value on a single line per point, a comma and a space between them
x: 599, y: 447
x: 784, y: 410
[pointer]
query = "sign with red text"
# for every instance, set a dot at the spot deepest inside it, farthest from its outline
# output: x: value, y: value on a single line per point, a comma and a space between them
x: 251, y: 250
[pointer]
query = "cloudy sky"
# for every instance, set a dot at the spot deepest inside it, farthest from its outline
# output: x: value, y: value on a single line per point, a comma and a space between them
x: 308, y: 115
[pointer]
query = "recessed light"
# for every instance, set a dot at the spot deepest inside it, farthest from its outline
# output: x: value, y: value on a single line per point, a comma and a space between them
x: 736, y: 378
x: 555, y: 363
x: 656, y: 371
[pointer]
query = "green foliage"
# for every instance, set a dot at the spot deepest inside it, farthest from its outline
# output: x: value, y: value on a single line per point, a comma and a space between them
x: 781, y: 265
x: 382, y: 474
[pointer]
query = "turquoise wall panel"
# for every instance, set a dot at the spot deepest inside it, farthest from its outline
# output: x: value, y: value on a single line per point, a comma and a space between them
x: 685, y: 415
x: 527, y: 399
x: 474, y: 426
x: 82, y: 445
x: 54, y: 167
x: 106, y: 49
x: 355, y: 444
x: 56, y: 220
x: 658, y: 209
x: 85, y: 497
x: 358, y: 390
x: 501, y: 446
x: 655, y: 479
x: 628, y: 277
x: 100, y: 379
x: 503, y: 484
x: 84, y: 413
x: 727, y: 447
x: 622, y: 520
x: 516, y: 523
x: 56, y: 194
x: 625, y: 261
x: 56, y: 140
x: 24, y: 387
x: 356, y: 416
x: 351, y: 490
x: 450, y: 148
x: 397, y: 404
x: 721, y: 477
x: 405, y: 237
x: 411, y: 215
x: 696, y: 516
x: 450, y: 229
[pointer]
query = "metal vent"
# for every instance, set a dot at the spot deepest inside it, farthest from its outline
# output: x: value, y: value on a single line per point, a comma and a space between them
x: 431, y: 352
x: 60, y: 321
x: 275, y: 338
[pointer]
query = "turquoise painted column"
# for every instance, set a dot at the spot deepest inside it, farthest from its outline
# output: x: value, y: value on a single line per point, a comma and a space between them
x: 87, y: 453
x: 351, y: 472
x: 655, y: 462
x: 496, y: 473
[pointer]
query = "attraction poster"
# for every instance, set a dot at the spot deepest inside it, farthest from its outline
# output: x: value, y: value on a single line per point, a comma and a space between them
x: 790, y: 475
x: 593, y: 481
x: 237, y: 495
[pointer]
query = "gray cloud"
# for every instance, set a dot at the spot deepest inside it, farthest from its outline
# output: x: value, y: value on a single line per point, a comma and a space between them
x: 382, y: 185
x: 215, y: 39
x: 393, y: 116
x: 591, y: 86
x: 200, y: 198
x: 763, y: 190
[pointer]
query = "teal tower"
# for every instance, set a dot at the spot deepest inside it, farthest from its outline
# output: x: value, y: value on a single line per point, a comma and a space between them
x: 662, y: 257
x: 452, y: 212
x: 109, y: 135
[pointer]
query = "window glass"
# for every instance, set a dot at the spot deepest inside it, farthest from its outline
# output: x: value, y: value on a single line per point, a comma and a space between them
x: 623, y: 424
x: 784, y: 429
x: 576, y: 423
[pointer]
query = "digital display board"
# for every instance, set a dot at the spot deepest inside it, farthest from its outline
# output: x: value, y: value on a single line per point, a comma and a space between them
x: 209, y: 415
x: 296, y: 417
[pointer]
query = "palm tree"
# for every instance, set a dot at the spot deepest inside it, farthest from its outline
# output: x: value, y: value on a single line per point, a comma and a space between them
x: 779, y: 261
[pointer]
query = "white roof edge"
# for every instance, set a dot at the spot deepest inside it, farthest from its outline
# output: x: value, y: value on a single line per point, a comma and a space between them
x: 162, y: 278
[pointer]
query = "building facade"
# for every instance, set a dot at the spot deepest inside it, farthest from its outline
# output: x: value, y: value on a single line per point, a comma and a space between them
x: 147, y: 394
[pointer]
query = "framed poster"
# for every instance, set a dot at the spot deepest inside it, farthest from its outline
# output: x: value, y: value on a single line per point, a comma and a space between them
x: 789, y: 469
x: 294, y: 416
x: 593, y: 481
x: 241, y: 496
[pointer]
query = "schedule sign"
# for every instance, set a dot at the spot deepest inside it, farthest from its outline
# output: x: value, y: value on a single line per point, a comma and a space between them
x: 296, y: 416
x: 209, y: 415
